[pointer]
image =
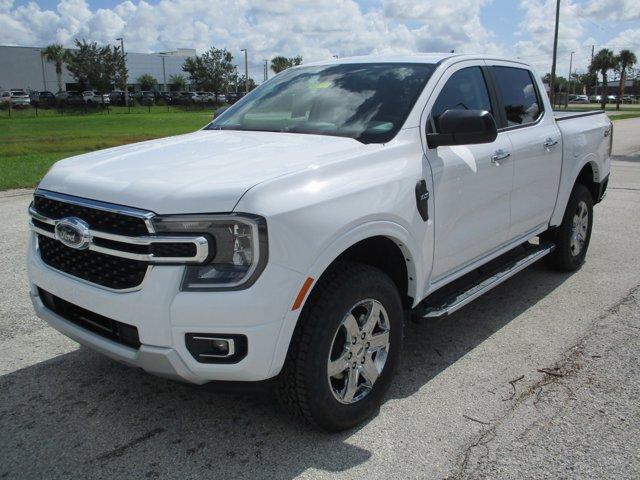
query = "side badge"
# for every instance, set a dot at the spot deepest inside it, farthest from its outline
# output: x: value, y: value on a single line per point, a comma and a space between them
x: 422, y: 199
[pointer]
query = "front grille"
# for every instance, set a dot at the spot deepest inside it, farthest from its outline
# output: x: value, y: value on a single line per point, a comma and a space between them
x: 106, y: 270
x: 101, y: 220
x: 103, y: 326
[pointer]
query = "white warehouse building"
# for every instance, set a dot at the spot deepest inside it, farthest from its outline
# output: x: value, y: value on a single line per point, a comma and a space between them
x: 24, y: 68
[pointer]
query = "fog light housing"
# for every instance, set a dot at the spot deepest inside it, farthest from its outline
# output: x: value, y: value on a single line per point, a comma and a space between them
x: 216, y: 348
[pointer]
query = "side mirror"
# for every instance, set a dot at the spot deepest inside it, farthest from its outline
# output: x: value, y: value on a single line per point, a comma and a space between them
x: 463, y: 127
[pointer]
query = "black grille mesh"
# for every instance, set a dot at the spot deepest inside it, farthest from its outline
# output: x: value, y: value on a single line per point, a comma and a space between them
x: 106, y: 270
x: 101, y: 220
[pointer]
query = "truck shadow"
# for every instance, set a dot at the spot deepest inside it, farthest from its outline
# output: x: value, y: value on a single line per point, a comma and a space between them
x: 82, y: 415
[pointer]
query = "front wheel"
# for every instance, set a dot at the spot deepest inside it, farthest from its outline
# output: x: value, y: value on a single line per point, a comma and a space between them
x: 345, y: 347
x: 572, y: 237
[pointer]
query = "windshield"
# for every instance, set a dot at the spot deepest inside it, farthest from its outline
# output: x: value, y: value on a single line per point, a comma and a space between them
x: 368, y: 102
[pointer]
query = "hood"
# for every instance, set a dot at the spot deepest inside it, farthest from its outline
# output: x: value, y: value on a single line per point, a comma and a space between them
x: 205, y: 171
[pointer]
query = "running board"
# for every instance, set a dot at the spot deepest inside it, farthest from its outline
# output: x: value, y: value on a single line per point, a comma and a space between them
x: 446, y: 305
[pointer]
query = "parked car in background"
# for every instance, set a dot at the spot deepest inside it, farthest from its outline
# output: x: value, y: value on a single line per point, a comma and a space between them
x: 221, y: 98
x: 335, y: 215
x: 204, y: 97
x: 230, y: 98
x: 578, y: 99
x: 166, y: 97
x: 91, y: 97
x: 42, y: 99
x: 20, y: 98
x: 145, y: 96
x: 117, y: 97
x: 189, y: 97
x: 5, y: 97
x: 70, y: 97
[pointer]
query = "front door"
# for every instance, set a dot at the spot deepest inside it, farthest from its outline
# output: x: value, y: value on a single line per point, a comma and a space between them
x: 472, y: 183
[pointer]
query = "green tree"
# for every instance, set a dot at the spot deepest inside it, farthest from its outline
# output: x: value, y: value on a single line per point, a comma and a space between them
x: 96, y: 67
x: 210, y: 71
x: 146, y: 82
x: 58, y: 55
x: 280, y: 63
x: 178, y: 82
x: 627, y: 60
x: 252, y: 82
x: 604, y: 61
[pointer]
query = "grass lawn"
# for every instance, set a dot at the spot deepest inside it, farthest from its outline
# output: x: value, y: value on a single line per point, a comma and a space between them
x: 30, y: 145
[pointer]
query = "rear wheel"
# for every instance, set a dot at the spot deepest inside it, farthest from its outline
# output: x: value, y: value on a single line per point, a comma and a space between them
x: 345, y: 347
x: 572, y: 237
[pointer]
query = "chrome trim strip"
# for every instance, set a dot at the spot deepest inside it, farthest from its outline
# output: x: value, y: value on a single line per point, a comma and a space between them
x: 202, y: 249
x: 201, y: 243
x: 230, y: 342
x: 98, y: 205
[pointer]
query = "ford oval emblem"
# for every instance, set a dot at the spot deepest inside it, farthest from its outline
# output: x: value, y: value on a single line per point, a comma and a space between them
x: 73, y: 232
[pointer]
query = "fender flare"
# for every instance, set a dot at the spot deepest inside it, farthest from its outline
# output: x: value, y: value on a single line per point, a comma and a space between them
x: 389, y: 229
x: 565, y: 188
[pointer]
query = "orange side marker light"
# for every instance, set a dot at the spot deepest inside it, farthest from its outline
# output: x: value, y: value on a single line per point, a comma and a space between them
x: 302, y: 293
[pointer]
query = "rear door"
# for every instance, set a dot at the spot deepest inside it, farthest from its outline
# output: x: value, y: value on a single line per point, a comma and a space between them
x: 472, y: 183
x: 536, y: 152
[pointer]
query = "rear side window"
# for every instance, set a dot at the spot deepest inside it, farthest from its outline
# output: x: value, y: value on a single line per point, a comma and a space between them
x: 519, y: 95
x: 465, y: 90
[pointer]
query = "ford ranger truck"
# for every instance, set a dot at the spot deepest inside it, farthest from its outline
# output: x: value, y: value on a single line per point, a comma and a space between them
x: 289, y: 238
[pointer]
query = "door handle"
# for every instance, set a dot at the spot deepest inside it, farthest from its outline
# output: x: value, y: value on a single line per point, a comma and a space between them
x: 550, y: 142
x: 499, y: 156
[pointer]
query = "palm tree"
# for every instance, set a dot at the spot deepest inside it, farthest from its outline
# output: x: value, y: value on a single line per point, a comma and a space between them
x: 280, y: 63
x: 627, y: 59
x: 604, y: 61
x: 57, y: 54
x: 178, y: 82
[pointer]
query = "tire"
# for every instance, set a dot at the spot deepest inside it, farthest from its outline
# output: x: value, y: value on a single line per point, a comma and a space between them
x: 571, y: 245
x: 304, y: 386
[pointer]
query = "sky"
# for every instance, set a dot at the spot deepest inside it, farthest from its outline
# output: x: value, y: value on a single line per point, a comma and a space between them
x: 320, y: 29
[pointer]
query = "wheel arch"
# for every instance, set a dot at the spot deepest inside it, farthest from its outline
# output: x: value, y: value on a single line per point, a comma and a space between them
x: 586, y: 172
x: 385, y: 245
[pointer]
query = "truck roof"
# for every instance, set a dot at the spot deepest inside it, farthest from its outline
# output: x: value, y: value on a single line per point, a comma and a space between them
x: 412, y: 58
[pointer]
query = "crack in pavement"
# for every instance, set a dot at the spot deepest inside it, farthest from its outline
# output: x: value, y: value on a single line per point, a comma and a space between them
x: 566, y: 367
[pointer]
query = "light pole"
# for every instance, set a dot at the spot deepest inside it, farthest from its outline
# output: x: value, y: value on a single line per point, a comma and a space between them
x: 44, y: 76
x: 570, y: 69
x: 164, y: 71
x: 246, y: 71
x: 124, y: 58
x: 555, y: 55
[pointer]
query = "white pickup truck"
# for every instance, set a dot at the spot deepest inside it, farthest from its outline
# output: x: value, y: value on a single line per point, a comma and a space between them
x: 291, y: 237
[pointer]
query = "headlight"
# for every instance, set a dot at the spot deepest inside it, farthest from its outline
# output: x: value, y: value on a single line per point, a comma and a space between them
x: 237, y: 254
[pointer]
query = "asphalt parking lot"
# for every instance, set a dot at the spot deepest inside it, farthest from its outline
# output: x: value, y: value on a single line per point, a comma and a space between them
x: 540, y: 378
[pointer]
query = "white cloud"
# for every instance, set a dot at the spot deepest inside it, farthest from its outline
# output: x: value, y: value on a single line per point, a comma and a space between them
x: 617, y: 10
x: 319, y: 29
x: 315, y: 29
x: 536, y: 32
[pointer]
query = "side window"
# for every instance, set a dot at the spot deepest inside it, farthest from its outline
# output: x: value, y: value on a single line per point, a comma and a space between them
x: 519, y: 95
x: 465, y: 90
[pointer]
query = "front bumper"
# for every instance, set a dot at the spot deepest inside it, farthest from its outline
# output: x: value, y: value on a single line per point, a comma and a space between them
x: 163, y: 316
